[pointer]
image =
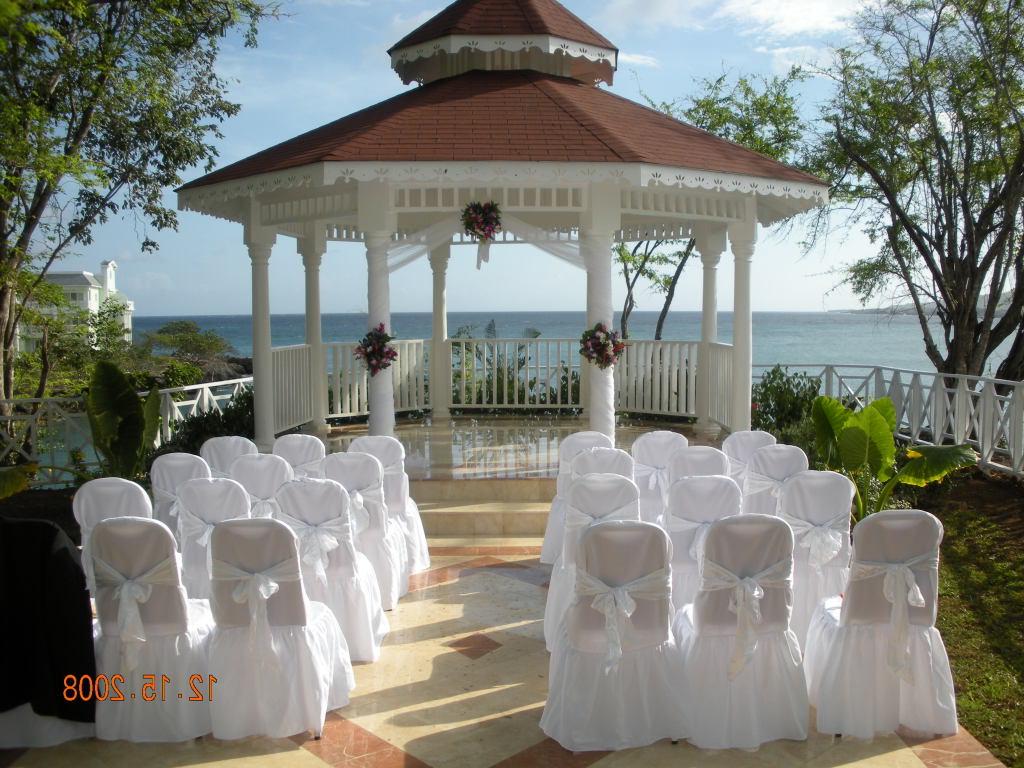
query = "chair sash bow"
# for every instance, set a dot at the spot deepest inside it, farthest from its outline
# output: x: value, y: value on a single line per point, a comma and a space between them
x: 700, y: 533
x: 824, y: 541
x: 261, y: 507
x: 745, y: 602
x: 318, y: 540
x: 255, y: 589
x: 653, y: 478
x: 755, y: 482
x: 359, y: 512
x: 129, y: 593
x: 738, y: 470
x: 162, y: 496
x: 307, y: 468
x: 193, y: 527
x: 617, y: 604
x: 900, y: 588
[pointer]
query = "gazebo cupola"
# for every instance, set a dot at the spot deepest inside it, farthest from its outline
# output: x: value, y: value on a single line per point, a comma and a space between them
x: 495, y: 35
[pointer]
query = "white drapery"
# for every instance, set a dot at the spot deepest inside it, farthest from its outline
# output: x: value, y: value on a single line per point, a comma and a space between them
x: 318, y: 540
x: 404, y: 252
x: 824, y: 541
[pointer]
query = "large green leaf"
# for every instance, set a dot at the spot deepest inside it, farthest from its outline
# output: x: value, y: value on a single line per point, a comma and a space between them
x: 854, y: 447
x: 116, y: 418
x: 885, y: 407
x: 867, y: 442
x: 931, y: 463
x: 15, y: 479
x: 829, y: 417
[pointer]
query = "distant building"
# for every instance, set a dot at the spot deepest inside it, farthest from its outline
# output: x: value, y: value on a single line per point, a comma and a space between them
x: 84, y: 291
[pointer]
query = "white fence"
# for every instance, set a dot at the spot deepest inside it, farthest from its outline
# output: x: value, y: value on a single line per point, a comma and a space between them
x: 181, y: 402
x: 508, y: 374
x: 348, y: 380
x: 658, y: 378
x: 721, y: 384
x: 931, y: 408
x: 293, y: 400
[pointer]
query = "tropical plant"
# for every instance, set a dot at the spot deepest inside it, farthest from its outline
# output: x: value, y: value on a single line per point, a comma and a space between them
x: 234, y: 418
x: 782, y: 399
x: 863, y: 446
x: 124, y: 426
x: 14, y: 480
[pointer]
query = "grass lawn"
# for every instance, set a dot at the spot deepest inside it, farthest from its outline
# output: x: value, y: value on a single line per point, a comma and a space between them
x: 981, y: 606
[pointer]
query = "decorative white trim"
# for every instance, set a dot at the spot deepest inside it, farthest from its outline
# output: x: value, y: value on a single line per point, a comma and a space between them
x: 452, y: 44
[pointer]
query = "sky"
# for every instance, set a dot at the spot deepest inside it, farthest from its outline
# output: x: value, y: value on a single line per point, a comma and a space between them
x: 327, y: 58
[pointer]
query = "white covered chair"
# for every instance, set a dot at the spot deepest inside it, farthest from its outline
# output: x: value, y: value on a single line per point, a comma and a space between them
x: 101, y: 499
x: 333, y: 571
x: 202, y: 503
x: 603, y: 461
x: 303, y: 452
x: 694, y: 503
x: 744, y: 680
x: 651, y: 453
x: 817, y: 506
x: 281, y: 661
x: 220, y: 453
x: 168, y: 472
x: 591, y: 499
x: 148, y: 628
x: 569, y: 448
x: 382, y: 541
x: 740, y: 447
x: 615, y: 672
x: 767, y: 470
x: 401, y: 506
x: 696, y: 461
x: 875, y: 660
x: 261, y: 474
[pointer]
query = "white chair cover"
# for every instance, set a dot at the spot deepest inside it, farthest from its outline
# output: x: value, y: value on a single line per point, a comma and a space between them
x: 875, y: 660
x: 220, y: 453
x: 101, y: 499
x: 401, y: 507
x: 694, y: 503
x: 147, y: 627
x: 334, y: 573
x: 304, y: 452
x: 695, y: 461
x: 817, y: 506
x: 744, y: 681
x: 261, y: 474
x: 569, y: 448
x: 602, y: 461
x: 202, y: 503
x: 767, y: 470
x: 168, y: 472
x: 591, y: 499
x: 615, y: 671
x: 382, y: 541
x: 740, y: 448
x: 281, y: 662
x: 651, y: 452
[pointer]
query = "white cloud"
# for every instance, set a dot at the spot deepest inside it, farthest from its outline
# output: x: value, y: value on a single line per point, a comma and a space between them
x: 775, y: 18
x: 788, y: 56
x: 639, y: 60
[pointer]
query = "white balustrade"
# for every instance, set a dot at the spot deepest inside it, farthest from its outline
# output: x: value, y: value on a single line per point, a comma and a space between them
x: 178, y: 403
x: 721, y: 384
x: 508, y: 374
x: 658, y: 378
x: 349, y: 380
x: 293, y: 400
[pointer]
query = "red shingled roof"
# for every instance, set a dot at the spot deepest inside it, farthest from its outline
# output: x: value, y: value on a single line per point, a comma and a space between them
x: 505, y: 17
x: 510, y: 116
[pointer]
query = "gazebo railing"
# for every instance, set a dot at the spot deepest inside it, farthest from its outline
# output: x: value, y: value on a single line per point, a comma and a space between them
x: 512, y: 374
x: 721, y: 384
x: 348, y: 380
x: 658, y: 378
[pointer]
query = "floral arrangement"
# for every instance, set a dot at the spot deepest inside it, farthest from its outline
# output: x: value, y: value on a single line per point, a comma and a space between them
x: 376, y: 351
x: 482, y: 220
x: 601, y: 346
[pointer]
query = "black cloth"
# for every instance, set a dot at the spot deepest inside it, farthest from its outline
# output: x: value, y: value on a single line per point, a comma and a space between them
x: 47, y: 620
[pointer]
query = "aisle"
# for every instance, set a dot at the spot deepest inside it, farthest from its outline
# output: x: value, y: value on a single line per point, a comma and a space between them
x: 461, y: 684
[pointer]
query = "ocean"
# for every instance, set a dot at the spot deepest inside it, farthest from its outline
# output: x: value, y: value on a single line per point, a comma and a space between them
x: 779, y: 337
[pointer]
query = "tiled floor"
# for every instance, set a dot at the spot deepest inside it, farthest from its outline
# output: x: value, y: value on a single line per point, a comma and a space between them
x: 462, y: 683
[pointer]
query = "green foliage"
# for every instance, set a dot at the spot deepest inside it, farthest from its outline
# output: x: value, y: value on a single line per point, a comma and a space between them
x: 124, y: 426
x: 14, y: 480
x: 782, y: 399
x: 862, y: 445
x: 183, y: 340
x: 235, y: 418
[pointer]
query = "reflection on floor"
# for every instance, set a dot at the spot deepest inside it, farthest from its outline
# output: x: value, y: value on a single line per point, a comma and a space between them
x: 462, y: 683
x: 496, y: 447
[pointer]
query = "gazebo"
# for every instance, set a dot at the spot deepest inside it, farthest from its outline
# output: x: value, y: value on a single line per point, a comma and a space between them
x: 509, y: 108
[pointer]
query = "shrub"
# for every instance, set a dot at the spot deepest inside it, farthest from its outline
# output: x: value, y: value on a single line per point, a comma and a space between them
x: 235, y: 418
x: 782, y: 400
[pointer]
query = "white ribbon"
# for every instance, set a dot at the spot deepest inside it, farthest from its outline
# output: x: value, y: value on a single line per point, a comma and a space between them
x: 700, y: 529
x: 576, y: 520
x: 900, y: 588
x: 655, y: 478
x: 261, y: 507
x: 824, y: 541
x: 755, y: 482
x: 745, y: 602
x: 191, y: 526
x: 307, y: 469
x: 393, y: 471
x: 318, y: 540
x: 360, y: 514
x: 618, y: 604
x: 255, y: 589
x: 164, y: 496
x: 130, y: 592
x: 738, y: 471
x: 483, y: 253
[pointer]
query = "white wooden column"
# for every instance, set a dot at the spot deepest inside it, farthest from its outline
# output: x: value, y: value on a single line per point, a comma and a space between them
x: 742, y: 240
x: 312, y: 249
x: 381, y: 387
x: 260, y: 245
x: 710, y: 244
x: 440, y: 352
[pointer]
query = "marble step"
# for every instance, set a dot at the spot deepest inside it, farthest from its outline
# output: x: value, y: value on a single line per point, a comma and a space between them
x: 539, y: 490
x: 495, y: 518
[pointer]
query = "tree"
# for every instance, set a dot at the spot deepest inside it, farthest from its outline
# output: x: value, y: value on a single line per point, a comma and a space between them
x: 924, y: 143
x: 762, y: 114
x: 185, y: 340
x: 102, y: 105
